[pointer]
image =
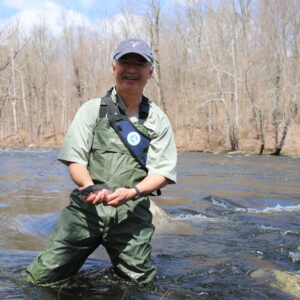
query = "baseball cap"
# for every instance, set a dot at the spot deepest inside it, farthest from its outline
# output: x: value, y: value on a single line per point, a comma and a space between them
x: 133, y: 46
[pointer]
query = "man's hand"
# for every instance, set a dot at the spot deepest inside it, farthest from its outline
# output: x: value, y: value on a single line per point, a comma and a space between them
x: 119, y: 197
x: 96, y: 197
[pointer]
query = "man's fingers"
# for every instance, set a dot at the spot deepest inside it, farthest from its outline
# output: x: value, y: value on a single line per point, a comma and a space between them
x: 100, y: 196
x: 112, y: 196
x: 97, y: 197
x: 90, y: 198
x: 116, y: 198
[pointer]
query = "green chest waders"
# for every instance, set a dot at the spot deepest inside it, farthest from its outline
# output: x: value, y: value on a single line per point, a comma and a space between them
x: 124, y: 231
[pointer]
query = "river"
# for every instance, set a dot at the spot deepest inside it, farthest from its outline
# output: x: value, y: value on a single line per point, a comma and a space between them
x: 240, y: 213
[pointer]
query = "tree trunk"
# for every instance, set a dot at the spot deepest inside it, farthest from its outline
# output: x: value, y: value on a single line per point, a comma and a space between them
x: 278, y: 147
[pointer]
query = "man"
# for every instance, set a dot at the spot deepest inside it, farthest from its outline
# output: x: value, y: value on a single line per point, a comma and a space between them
x: 119, y: 220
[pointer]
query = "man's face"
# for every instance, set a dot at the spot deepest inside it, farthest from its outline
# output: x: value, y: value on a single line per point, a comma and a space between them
x: 131, y: 72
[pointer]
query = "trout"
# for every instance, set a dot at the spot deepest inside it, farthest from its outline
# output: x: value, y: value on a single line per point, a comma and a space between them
x: 83, y: 194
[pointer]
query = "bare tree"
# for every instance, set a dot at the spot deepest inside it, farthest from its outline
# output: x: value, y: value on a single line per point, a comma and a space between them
x: 154, y: 21
x: 281, y: 35
x: 226, y: 72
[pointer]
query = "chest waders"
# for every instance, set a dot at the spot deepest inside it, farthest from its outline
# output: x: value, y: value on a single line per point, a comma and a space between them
x: 125, y: 231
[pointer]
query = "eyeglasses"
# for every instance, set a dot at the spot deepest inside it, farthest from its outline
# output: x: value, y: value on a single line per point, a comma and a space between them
x: 136, y: 64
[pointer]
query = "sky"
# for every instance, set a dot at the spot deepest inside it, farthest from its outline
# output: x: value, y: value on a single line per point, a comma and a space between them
x: 28, y: 12
x: 81, y: 12
x: 88, y: 8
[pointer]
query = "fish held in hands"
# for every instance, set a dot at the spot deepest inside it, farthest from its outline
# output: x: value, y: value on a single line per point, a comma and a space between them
x: 85, y: 193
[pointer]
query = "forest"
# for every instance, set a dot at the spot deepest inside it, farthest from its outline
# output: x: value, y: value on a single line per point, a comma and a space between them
x: 226, y: 73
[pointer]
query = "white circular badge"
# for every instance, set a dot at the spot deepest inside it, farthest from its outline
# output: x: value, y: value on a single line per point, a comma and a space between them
x: 133, y: 138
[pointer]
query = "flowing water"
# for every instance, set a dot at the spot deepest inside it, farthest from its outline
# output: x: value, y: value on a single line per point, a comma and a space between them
x: 241, y: 213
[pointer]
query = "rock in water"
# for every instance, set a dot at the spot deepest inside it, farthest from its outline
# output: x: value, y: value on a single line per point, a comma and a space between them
x: 165, y: 224
x: 287, y: 282
x: 160, y: 217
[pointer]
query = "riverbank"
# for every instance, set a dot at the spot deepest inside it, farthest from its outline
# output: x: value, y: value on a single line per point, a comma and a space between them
x: 248, y: 142
x: 196, y: 142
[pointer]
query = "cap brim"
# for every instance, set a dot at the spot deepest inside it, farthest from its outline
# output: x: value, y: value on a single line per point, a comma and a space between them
x: 119, y: 55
